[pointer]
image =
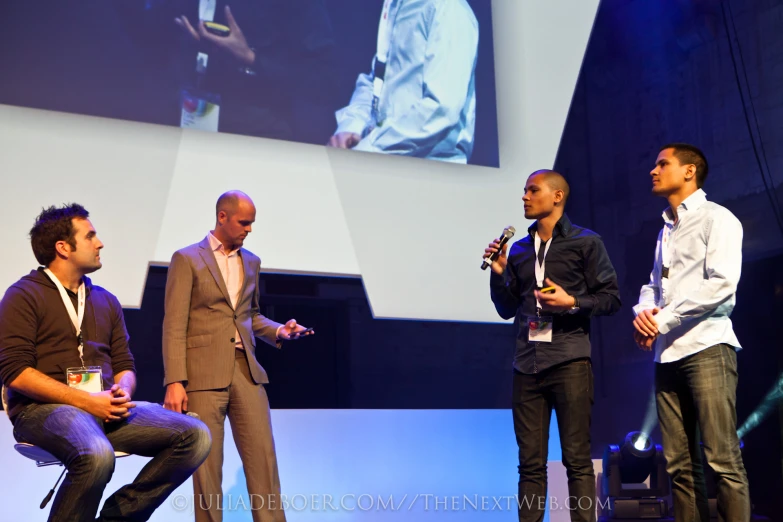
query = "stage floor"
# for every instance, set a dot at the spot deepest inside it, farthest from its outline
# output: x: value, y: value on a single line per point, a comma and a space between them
x: 347, y: 465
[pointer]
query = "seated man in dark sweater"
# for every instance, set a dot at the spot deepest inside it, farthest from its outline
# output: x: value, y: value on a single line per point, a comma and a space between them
x: 69, y: 376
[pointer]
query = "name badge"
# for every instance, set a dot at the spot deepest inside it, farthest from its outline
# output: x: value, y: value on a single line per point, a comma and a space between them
x: 199, y: 111
x: 89, y: 379
x: 539, y: 329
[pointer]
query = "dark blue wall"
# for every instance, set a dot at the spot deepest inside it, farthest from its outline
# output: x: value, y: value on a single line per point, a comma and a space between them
x: 662, y: 71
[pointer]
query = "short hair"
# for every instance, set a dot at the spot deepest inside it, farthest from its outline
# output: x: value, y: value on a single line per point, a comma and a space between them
x: 229, y: 201
x: 555, y: 180
x: 54, y: 224
x: 687, y: 154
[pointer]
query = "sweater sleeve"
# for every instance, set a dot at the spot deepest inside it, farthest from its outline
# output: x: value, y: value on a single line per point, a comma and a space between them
x: 121, y: 356
x: 18, y: 327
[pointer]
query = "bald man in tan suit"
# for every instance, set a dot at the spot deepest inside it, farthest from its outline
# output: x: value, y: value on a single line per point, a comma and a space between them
x: 210, y: 327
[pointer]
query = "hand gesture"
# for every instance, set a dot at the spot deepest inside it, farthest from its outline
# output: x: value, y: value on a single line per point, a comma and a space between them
x: 499, y: 264
x: 234, y: 44
x: 108, y: 407
x: 646, y: 329
x: 557, y: 301
x: 291, y: 331
x: 344, y: 140
x: 176, y: 398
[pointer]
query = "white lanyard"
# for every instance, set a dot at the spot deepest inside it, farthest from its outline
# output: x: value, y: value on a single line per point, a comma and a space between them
x: 667, y: 249
x: 381, y: 55
x: 206, y: 13
x: 666, y: 245
x: 206, y: 10
x: 76, y: 317
x: 539, y: 268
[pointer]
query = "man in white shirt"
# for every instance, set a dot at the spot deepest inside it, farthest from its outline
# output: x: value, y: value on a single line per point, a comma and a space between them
x: 683, y: 313
x: 420, y: 97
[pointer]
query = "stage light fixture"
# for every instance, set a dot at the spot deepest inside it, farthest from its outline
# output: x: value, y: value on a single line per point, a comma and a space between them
x: 626, y: 470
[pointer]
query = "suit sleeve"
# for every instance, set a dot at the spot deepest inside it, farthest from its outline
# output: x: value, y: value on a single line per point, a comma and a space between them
x: 179, y: 288
x: 263, y: 327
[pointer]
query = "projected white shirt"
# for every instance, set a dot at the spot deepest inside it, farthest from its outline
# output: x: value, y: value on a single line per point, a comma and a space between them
x: 428, y: 103
x: 703, y: 254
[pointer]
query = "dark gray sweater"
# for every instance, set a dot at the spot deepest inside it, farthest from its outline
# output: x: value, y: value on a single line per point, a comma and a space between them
x: 36, y: 332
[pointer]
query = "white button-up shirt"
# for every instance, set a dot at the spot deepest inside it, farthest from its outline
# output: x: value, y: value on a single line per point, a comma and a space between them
x: 428, y: 103
x: 703, y: 252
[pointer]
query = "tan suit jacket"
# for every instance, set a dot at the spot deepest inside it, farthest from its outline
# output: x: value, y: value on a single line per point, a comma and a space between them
x: 200, y: 324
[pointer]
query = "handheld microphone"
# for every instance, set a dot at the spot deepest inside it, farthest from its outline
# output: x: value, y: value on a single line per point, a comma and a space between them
x: 508, y: 233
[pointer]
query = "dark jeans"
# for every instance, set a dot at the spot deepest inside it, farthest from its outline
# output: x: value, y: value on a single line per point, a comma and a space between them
x: 177, y: 443
x: 568, y: 388
x: 696, y: 399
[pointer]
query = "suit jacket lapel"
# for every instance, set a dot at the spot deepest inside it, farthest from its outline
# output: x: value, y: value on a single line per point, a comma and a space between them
x: 209, y: 258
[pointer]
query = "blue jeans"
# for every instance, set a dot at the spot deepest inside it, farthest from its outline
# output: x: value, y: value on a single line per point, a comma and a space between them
x: 568, y: 389
x: 178, y: 444
x: 696, y: 399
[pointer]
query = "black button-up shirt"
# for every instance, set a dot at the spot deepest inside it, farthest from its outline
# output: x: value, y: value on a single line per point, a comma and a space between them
x: 577, y: 261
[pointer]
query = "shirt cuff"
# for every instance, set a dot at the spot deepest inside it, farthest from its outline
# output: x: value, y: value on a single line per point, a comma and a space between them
x: 639, y: 308
x: 666, y: 321
x: 351, y: 125
x: 277, y: 332
x: 586, y: 303
x: 366, y: 145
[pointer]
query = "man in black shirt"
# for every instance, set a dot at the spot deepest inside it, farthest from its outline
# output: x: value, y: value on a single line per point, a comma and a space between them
x: 552, y: 367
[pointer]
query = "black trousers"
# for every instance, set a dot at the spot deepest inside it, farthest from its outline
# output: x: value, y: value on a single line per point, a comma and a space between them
x: 568, y: 389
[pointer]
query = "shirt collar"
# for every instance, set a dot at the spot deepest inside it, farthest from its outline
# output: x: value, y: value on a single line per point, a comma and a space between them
x: 691, y: 203
x: 217, y: 246
x: 562, y: 227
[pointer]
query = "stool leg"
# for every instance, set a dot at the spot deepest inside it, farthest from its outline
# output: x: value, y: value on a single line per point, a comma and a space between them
x: 48, y: 497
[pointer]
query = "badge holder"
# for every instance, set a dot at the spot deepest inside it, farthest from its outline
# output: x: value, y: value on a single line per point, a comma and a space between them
x: 199, y: 109
x: 539, y: 328
x: 85, y: 378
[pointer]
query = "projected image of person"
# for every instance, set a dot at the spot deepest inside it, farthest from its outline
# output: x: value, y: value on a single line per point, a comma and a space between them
x: 419, y: 98
x: 258, y: 61
x: 684, y: 316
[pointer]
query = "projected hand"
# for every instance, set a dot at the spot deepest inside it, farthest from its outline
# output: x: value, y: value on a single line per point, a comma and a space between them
x: 234, y: 44
x: 344, y: 140
x: 499, y: 264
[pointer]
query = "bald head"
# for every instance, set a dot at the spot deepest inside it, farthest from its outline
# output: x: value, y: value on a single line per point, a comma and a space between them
x: 230, y: 201
x: 555, y: 180
x: 235, y: 217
